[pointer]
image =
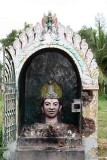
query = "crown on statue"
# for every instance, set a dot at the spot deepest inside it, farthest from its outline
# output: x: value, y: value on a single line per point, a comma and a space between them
x: 51, y: 90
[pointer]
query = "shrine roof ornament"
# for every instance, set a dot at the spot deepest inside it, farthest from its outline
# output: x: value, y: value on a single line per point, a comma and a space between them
x: 49, y: 22
x: 52, y: 34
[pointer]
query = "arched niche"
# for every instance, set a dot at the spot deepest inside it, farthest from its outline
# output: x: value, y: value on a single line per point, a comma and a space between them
x: 40, y: 67
x: 44, y: 41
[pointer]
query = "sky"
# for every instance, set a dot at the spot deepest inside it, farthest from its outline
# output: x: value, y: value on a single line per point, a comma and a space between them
x: 76, y: 13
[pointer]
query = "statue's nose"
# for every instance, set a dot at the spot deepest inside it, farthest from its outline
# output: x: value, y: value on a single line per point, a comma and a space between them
x: 51, y: 106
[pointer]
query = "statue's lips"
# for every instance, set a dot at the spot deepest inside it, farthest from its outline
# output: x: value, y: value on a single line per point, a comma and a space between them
x: 51, y: 112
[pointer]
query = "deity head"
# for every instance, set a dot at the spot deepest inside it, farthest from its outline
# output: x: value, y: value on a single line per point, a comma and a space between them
x: 51, y: 94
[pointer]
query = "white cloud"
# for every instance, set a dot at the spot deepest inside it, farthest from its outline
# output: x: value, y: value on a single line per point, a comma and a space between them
x: 76, y: 13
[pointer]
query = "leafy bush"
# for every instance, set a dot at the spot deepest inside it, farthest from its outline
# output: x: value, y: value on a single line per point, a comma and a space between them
x: 1, y: 147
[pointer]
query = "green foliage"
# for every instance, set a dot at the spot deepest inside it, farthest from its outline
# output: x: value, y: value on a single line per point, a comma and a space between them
x: 97, y: 41
x: 12, y: 36
x: 2, y: 149
x: 1, y: 66
x: 102, y: 114
x: 102, y: 153
x: 101, y: 50
x: 26, y: 25
x: 9, y: 39
x: 0, y: 110
x: 90, y: 35
x: 102, y: 124
x: 0, y: 120
x: 101, y: 55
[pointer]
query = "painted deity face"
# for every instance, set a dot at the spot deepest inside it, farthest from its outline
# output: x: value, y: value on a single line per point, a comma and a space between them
x: 51, y: 107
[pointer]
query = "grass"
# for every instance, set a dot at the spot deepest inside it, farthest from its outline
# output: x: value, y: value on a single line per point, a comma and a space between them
x: 1, y: 150
x: 102, y: 152
x: 0, y: 119
x: 102, y: 126
x: 0, y: 110
x: 102, y: 118
x: 1, y: 147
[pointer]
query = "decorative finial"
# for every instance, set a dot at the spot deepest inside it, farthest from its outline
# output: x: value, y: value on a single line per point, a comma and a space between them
x: 49, y: 21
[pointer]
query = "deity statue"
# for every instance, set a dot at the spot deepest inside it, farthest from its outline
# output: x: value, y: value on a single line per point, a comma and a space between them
x: 51, y: 105
x: 51, y: 94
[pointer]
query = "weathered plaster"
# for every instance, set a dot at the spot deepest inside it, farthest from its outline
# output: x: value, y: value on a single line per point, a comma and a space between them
x: 90, y: 145
x: 36, y: 38
x: 91, y: 110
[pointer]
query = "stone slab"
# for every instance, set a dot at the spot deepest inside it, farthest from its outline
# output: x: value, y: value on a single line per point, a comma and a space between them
x: 26, y: 153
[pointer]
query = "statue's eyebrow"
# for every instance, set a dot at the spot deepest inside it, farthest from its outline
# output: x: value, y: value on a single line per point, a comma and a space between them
x: 46, y: 102
x: 55, y: 102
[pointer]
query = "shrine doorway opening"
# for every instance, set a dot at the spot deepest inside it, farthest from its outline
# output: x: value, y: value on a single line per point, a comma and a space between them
x: 40, y: 67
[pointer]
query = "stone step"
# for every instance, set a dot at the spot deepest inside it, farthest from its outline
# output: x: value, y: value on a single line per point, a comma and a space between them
x: 30, y: 153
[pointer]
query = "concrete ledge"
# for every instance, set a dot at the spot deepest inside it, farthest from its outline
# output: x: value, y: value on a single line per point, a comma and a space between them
x: 102, y: 158
x: 34, y: 154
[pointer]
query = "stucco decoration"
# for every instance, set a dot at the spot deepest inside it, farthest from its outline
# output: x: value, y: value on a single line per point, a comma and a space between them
x: 88, y: 126
x: 23, y: 39
x: 86, y: 96
x: 52, y: 34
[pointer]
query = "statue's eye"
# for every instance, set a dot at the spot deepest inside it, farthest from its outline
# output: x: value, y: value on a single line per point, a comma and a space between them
x: 55, y: 104
x: 47, y: 104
